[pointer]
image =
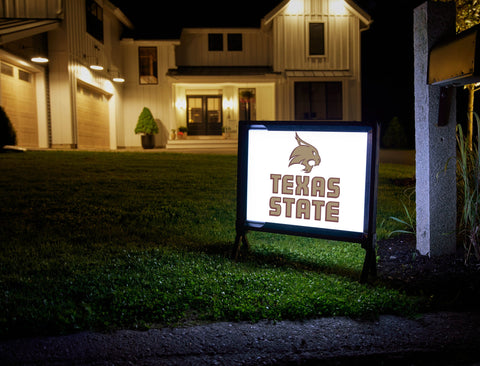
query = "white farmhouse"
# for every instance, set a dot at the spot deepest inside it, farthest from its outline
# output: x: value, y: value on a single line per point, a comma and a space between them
x: 303, y: 63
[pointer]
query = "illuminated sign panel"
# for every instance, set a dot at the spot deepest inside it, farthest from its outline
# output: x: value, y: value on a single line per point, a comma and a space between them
x: 307, y: 178
x: 314, y: 179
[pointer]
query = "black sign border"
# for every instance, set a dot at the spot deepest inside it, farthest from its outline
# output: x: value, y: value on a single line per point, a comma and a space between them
x: 367, y: 238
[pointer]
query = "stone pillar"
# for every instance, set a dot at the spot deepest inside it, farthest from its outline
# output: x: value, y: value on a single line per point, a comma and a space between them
x: 435, y: 145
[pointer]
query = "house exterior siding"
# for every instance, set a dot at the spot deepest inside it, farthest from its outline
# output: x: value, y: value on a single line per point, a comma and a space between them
x: 157, y: 97
x: 270, y: 63
x: 193, y: 48
x: 72, y: 50
x: 341, y: 61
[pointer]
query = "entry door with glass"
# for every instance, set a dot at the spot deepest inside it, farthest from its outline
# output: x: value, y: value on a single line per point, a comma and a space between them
x: 204, y: 115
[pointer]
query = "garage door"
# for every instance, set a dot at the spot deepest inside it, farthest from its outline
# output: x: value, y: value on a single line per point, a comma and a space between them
x: 92, y: 118
x: 19, y: 101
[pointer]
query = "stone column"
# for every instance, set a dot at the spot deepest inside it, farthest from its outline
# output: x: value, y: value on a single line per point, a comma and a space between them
x: 435, y: 145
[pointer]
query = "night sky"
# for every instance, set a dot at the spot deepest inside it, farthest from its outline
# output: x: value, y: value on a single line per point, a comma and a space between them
x: 387, y: 47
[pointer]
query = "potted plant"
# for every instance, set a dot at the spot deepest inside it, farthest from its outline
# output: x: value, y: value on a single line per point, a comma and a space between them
x: 146, y: 124
x: 182, y: 132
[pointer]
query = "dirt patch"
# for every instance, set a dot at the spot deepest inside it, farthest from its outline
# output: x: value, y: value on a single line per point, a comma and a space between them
x: 446, y: 282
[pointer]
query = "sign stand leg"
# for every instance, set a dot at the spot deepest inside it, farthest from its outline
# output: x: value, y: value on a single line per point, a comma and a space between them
x: 241, y: 244
x: 370, y: 263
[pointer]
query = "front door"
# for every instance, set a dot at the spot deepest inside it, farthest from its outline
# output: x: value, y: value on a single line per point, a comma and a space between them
x: 204, y: 115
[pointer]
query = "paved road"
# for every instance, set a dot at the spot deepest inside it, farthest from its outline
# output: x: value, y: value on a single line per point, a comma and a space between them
x: 432, y: 339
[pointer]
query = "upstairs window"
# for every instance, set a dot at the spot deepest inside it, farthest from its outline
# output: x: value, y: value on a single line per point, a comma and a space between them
x: 94, y: 20
x: 316, y: 38
x: 235, y: 42
x: 215, y: 42
x: 147, y: 65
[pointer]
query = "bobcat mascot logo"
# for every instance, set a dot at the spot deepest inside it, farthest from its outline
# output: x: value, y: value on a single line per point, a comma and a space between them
x: 303, y: 154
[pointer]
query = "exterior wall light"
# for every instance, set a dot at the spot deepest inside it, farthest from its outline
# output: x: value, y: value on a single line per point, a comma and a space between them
x: 40, y: 59
x: 96, y: 64
x: 96, y: 67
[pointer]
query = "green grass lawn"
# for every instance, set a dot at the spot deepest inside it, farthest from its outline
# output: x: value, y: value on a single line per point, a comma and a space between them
x: 133, y: 240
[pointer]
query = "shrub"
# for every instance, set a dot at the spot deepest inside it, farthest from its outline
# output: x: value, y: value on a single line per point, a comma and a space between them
x: 468, y: 181
x: 146, y: 123
x: 395, y: 136
x: 7, y: 132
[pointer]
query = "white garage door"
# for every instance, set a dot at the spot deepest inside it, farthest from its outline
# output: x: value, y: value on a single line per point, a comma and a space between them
x: 19, y: 101
x: 92, y: 118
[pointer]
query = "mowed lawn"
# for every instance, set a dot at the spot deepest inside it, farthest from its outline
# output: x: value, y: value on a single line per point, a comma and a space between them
x: 108, y: 240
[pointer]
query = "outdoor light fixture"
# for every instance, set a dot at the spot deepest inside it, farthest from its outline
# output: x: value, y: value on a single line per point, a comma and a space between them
x: 96, y: 64
x: 39, y: 59
x: 116, y: 77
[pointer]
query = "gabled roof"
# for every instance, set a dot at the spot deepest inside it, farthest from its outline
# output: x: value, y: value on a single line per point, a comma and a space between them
x: 365, y: 19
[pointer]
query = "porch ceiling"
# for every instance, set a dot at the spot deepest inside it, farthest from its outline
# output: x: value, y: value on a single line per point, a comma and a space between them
x: 14, y: 29
x: 220, y: 71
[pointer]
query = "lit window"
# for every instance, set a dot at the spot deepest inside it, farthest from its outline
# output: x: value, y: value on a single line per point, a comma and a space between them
x: 316, y: 46
x: 147, y: 65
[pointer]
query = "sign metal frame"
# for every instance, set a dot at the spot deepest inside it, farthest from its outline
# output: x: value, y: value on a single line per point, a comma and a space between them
x: 367, y: 238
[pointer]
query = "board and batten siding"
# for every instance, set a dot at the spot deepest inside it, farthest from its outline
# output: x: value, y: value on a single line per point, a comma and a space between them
x: 290, y: 33
x: 341, y: 62
x: 193, y: 48
x: 71, y: 51
x: 156, y: 97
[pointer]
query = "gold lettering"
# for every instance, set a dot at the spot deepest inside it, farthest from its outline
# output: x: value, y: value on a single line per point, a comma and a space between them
x: 318, y: 209
x: 333, y: 188
x: 303, y: 209
x: 275, y: 208
x: 318, y: 187
x: 288, y: 206
x: 287, y: 184
x: 275, y: 178
x: 302, y: 185
x: 331, y: 211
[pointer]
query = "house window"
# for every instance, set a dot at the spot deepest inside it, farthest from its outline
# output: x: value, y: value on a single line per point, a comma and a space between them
x: 234, y: 41
x: 316, y: 39
x: 147, y: 65
x: 94, y: 19
x: 247, y: 104
x: 24, y: 75
x: 215, y: 42
x: 6, y: 69
x: 318, y: 101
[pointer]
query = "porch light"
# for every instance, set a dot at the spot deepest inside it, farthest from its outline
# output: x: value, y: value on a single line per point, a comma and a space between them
x: 96, y: 64
x: 116, y: 77
x: 96, y: 67
x: 39, y: 59
x: 337, y: 7
x: 181, y: 104
x: 294, y: 7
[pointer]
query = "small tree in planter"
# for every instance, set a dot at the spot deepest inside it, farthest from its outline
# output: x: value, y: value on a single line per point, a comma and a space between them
x: 146, y: 124
x: 8, y: 135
